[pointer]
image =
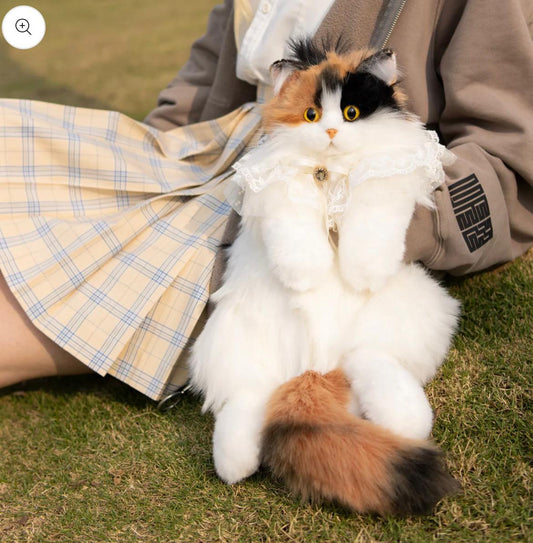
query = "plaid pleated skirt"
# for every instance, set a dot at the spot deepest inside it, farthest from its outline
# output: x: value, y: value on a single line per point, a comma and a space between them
x: 109, y: 229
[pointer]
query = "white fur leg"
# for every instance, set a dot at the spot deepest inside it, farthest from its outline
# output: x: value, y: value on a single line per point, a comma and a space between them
x: 237, y: 438
x: 388, y: 394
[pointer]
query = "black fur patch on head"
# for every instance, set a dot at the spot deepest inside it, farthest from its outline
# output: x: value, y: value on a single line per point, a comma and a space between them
x: 420, y: 481
x: 329, y: 80
x: 306, y: 53
x: 367, y: 92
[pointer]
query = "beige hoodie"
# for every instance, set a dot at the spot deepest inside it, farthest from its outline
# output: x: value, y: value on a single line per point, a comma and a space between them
x: 468, y: 72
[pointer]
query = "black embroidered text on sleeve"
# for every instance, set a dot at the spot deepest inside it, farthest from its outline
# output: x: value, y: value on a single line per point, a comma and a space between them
x: 472, y: 211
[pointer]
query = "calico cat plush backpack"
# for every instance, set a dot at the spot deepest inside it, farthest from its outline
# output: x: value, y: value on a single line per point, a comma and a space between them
x: 322, y: 339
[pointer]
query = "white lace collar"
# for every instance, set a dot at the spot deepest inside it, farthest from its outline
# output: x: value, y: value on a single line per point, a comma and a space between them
x: 267, y: 164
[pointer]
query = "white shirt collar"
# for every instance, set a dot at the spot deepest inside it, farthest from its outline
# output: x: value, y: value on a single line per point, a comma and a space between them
x: 273, y: 23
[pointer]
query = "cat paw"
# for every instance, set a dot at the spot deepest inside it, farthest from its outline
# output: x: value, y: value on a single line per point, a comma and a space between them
x: 414, y: 423
x: 388, y: 394
x: 300, y: 280
x: 235, y: 461
x: 366, y: 260
x: 237, y: 438
x: 299, y: 252
x: 304, y: 272
x: 360, y: 277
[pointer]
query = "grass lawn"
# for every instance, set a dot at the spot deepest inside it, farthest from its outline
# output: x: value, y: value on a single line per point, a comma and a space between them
x: 87, y: 459
x: 104, y: 54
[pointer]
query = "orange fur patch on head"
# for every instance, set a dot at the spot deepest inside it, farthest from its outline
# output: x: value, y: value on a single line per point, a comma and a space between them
x: 346, y: 63
x: 295, y: 96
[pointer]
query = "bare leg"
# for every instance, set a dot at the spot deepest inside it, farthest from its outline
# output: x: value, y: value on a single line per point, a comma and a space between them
x: 25, y: 352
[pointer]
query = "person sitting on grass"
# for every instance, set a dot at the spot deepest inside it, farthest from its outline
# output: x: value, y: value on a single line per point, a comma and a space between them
x: 110, y: 229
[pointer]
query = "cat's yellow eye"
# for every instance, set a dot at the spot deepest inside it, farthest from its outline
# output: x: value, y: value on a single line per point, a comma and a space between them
x: 351, y: 113
x: 311, y: 115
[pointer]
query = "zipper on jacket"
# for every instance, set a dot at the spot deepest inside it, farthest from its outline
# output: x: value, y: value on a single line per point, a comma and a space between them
x: 388, y: 17
x: 393, y: 24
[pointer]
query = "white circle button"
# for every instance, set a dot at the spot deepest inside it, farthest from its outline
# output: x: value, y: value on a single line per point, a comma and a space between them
x: 23, y: 27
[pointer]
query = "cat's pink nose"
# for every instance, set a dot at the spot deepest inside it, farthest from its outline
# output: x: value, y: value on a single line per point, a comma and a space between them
x: 331, y: 132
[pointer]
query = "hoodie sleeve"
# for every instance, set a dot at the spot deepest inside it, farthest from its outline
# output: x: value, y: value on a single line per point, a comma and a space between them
x: 184, y: 99
x: 484, y: 213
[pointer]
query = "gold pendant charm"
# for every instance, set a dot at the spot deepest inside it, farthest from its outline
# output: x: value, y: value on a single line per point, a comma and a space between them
x: 320, y: 174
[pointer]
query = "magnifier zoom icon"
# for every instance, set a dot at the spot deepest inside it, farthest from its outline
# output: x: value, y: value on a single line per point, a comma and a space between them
x: 22, y: 25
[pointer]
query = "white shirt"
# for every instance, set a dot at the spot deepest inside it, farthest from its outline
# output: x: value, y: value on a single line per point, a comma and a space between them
x: 263, y: 28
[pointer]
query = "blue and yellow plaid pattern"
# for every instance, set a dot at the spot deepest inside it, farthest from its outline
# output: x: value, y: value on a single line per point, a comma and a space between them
x: 109, y: 229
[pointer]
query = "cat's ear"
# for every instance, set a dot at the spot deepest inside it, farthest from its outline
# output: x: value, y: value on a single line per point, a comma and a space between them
x: 280, y: 71
x: 383, y: 65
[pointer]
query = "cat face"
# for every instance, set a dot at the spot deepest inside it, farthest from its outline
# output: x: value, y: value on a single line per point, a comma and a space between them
x: 332, y: 104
